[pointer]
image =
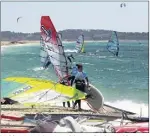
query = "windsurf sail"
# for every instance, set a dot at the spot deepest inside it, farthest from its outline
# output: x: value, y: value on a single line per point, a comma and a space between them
x: 80, y: 44
x: 113, y: 44
x: 42, y: 92
x: 45, y: 60
x: 51, y: 41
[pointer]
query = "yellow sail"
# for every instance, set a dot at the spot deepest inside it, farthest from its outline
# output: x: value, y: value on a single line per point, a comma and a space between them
x: 80, y: 44
x: 83, y: 48
x: 39, y: 91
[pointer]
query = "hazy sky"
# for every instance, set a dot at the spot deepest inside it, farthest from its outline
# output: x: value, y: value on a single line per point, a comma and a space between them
x: 75, y: 15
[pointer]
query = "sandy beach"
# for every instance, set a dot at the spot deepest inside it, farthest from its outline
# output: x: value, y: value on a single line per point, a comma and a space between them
x: 9, y: 43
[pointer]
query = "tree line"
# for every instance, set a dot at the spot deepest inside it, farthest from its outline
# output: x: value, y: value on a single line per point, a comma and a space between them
x: 72, y: 34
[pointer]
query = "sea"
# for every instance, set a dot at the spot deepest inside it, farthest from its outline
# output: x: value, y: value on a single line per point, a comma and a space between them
x: 122, y: 80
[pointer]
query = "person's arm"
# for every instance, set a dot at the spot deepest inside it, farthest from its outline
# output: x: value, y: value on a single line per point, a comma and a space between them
x: 87, y: 80
x: 73, y: 80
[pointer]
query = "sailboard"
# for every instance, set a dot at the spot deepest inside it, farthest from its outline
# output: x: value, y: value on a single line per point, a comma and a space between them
x: 42, y: 92
x: 52, y: 43
x: 80, y: 44
x: 113, y: 44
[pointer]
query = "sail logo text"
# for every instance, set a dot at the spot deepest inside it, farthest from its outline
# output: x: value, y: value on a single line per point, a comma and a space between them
x: 47, y: 32
x: 22, y: 90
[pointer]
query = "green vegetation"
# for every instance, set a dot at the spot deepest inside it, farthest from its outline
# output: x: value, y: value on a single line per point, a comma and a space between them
x: 72, y: 34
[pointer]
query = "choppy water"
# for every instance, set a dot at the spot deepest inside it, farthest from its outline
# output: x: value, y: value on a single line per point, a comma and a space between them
x: 123, y: 81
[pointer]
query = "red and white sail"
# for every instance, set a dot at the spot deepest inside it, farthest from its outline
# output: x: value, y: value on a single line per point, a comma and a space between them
x: 54, y: 48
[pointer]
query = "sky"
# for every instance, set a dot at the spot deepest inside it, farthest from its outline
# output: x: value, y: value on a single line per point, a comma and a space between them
x: 75, y: 15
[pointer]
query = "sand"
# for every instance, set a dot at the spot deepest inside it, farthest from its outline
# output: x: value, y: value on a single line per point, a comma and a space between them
x: 8, y: 43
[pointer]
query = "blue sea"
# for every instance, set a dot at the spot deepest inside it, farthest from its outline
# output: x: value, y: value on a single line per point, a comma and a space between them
x: 122, y: 80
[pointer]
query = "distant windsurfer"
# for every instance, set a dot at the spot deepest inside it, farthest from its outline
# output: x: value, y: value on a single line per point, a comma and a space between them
x: 117, y: 54
x: 113, y: 44
x: 80, y: 80
x: 47, y: 64
x: 73, y: 74
x: 69, y: 58
x: 117, y: 51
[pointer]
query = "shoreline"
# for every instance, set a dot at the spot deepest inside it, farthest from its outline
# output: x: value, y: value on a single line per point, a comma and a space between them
x: 25, y: 43
x: 8, y: 43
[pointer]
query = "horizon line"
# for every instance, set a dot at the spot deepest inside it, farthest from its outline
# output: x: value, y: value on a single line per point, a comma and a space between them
x: 72, y: 29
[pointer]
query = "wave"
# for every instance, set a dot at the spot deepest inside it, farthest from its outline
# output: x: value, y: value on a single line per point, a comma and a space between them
x: 139, y: 108
x: 30, y: 53
x: 119, y: 59
x: 102, y: 57
x: 87, y: 63
x: 38, y: 68
x: 70, y: 50
x: 111, y: 69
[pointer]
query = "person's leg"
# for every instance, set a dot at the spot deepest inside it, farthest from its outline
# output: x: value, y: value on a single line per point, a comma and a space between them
x: 74, y: 105
x: 79, y: 104
x: 68, y: 103
x: 82, y: 88
x: 63, y: 104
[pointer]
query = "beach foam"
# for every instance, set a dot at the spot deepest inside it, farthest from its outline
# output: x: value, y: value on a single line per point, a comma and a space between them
x: 38, y: 68
x: 70, y: 50
x: 125, y: 105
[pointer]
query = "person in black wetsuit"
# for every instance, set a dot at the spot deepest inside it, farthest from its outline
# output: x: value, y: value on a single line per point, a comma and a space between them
x: 117, y: 51
x: 80, y: 80
x: 69, y: 57
x: 73, y: 73
x: 71, y: 79
x: 47, y: 64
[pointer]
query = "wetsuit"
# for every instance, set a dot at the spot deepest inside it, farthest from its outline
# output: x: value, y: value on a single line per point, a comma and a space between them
x: 117, y: 51
x: 79, y: 81
x: 47, y: 64
x: 69, y: 58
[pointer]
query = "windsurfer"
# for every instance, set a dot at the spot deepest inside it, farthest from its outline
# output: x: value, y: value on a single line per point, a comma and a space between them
x: 117, y: 51
x: 80, y: 80
x: 73, y: 74
x: 69, y: 57
x: 47, y: 64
